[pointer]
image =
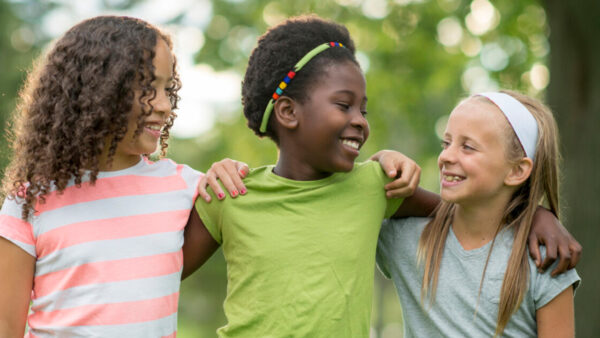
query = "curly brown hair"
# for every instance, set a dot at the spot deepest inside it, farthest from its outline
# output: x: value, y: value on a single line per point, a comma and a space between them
x: 75, y: 105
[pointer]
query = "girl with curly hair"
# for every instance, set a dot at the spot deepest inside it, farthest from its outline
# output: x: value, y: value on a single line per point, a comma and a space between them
x: 300, y: 247
x: 91, y: 231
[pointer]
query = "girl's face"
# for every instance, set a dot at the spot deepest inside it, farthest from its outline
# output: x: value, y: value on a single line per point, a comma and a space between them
x: 131, y: 147
x: 332, y: 126
x: 473, y: 162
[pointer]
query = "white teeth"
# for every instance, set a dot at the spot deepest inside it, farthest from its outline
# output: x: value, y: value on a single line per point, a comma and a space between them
x: 153, y: 127
x: 452, y: 178
x: 351, y: 143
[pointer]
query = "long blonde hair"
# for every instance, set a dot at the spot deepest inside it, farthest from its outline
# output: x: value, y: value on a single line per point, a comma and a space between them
x: 542, y: 185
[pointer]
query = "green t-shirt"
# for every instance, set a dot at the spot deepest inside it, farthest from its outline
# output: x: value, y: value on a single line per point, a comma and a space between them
x: 300, y: 254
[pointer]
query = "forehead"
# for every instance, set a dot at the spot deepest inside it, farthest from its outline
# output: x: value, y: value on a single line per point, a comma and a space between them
x: 345, y: 75
x: 477, y: 118
x: 163, y: 60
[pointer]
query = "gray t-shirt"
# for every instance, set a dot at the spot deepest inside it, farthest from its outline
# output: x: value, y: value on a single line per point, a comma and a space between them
x: 453, y: 313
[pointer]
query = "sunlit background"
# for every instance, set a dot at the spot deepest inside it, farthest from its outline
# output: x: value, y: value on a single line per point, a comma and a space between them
x: 420, y: 58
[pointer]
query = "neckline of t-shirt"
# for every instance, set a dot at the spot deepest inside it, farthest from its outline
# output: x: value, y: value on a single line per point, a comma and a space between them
x: 454, y: 244
x: 141, y: 163
x: 327, y: 180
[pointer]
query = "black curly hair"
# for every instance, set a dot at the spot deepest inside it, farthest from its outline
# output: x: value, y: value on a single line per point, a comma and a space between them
x: 79, y: 96
x: 278, y: 50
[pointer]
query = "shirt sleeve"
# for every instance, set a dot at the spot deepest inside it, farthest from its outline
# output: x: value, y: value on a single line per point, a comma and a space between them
x: 392, y: 203
x: 211, y: 215
x: 14, y: 228
x: 546, y: 287
x: 382, y: 254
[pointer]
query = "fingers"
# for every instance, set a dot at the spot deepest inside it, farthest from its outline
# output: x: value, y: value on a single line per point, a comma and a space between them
x: 551, y: 254
x: 575, y: 249
x: 407, y: 183
x: 564, y: 260
x: 230, y: 173
x: 211, y: 180
x: 242, y: 168
x: 226, y: 171
x: 202, y: 189
x: 534, y: 249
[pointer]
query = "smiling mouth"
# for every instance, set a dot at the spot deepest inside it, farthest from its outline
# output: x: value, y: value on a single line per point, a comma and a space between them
x: 452, y: 178
x: 354, y: 144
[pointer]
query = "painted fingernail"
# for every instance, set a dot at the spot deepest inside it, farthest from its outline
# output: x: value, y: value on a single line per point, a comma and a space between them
x: 221, y: 195
x: 243, y: 192
x: 234, y: 193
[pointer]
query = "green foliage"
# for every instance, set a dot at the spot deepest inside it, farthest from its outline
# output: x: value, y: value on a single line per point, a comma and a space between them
x: 16, y: 58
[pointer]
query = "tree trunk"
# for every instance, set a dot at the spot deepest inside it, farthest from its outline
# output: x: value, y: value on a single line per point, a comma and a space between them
x: 574, y: 96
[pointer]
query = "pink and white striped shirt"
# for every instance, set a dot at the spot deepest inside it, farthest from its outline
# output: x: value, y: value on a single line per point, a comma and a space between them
x: 108, y: 256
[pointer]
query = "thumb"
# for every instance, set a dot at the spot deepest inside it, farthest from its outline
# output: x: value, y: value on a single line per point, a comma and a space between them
x: 242, y: 169
x: 388, y: 167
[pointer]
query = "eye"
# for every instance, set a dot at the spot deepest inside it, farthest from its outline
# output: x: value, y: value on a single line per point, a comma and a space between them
x: 445, y: 144
x: 343, y: 106
x: 364, y: 112
x: 468, y: 147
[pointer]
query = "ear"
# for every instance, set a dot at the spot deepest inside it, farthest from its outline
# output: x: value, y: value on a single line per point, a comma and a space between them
x: 519, y: 173
x: 285, y: 111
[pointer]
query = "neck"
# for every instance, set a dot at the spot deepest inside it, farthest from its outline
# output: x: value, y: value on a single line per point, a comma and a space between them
x: 297, y: 169
x: 476, y: 225
x: 118, y: 162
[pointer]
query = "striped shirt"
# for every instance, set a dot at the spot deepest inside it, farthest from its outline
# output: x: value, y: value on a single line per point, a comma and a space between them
x: 108, y: 256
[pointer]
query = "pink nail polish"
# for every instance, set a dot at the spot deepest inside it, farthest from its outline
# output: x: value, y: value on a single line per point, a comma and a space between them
x: 221, y: 195
x: 243, y: 191
x: 234, y: 193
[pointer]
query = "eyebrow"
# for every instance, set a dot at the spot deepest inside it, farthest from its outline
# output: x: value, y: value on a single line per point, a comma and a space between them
x: 351, y: 93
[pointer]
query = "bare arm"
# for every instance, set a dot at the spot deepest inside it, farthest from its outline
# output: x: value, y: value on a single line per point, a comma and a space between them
x: 421, y: 204
x: 17, y: 269
x: 198, y: 245
x: 557, y: 318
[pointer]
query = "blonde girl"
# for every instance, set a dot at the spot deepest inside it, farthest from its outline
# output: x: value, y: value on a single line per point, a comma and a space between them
x: 470, y: 274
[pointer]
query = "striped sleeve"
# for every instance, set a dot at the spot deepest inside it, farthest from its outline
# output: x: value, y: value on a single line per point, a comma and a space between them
x: 14, y: 228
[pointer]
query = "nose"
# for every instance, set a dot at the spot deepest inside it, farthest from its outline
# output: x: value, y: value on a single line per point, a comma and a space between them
x: 447, y: 155
x: 162, y: 103
x: 359, y: 121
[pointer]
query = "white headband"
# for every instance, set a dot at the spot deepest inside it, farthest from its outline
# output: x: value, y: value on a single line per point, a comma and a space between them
x: 519, y: 118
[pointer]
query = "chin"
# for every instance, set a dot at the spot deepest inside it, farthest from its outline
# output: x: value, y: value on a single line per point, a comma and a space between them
x: 345, y: 167
x: 446, y: 196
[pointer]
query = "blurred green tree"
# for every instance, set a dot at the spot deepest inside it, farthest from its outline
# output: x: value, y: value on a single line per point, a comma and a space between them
x: 17, y: 52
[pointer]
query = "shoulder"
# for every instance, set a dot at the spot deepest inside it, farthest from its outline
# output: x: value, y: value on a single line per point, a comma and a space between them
x: 414, y: 224
x: 369, y: 171
x: 12, y: 206
x: 169, y: 167
x: 545, y: 287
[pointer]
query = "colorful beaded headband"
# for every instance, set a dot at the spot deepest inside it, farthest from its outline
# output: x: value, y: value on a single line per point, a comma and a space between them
x: 290, y: 75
